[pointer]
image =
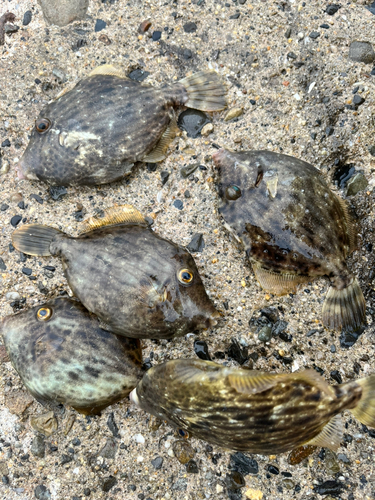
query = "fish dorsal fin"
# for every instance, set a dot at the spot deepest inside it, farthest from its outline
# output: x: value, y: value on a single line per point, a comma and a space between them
x: 120, y: 214
x: 253, y: 382
x: 67, y: 89
x: 330, y: 436
x: 277, y: 283
x: 108, y: 70
x: 312, y: 377
x: 353, y: 243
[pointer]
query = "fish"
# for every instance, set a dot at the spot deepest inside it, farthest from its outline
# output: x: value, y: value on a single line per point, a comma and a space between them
x: 247, y: 410
x: 139, y: 284
x: 94, y: 131
x: 63, y: 356
x: 292, y: 227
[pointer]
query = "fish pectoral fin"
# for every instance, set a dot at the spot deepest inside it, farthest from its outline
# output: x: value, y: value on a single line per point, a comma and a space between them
x: 277, y: 283
x: 161, y: 148
x: 109, y: 70
x: 330, y: 436
x: 119, y: 214
x: 247, y: 382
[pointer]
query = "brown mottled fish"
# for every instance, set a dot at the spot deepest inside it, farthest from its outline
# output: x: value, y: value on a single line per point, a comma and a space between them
x: 139, y: 284
x: 95, y: 132
x: 63, y: 356
x: 252, y: 411
x: 293, y: 228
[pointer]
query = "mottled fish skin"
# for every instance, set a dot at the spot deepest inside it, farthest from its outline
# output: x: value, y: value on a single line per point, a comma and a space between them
x: 99, y: 129
x: 287, y: 218
x: 203, y: 398
x: 69, y: 359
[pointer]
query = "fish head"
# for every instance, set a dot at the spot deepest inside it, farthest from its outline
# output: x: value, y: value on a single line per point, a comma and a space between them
x: 236, y: 174
x: 177, y: 292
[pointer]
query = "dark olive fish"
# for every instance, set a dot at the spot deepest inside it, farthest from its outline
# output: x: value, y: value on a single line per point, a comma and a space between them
x: 246, y: 410
x: 96, y: 131
x: 63, y: 356
x: 293, y: 228
x: 139, y: 284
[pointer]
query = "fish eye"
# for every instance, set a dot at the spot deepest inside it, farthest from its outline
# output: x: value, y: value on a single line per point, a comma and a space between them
x: 42, y: 125
x: 232, y: 193
x: 183, y: 434
x: 185, y: 276
x: 44, y: 313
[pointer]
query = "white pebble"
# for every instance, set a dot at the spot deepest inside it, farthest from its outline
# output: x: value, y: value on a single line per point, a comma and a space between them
x: 139, y: 438
x: 12, y: 296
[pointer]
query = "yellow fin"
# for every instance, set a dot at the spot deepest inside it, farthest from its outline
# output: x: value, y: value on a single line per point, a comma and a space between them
x: 161, y: 148
x: 121, y: 214
x: 353, y: 243
x: 314, y: 378
x: 277, y: 283
x: 365, y: 409
x: 253, y: 382
x: 108, y: 69
x: 330, y: 436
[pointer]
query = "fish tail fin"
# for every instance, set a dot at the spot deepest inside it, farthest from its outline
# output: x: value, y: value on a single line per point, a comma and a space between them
x: 344, y: 307
x: 34, y: 239
x: 205, y: 90
x: 365, y: 409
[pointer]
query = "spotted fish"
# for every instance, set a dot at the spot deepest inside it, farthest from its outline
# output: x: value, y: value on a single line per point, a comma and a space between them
x: 95, y: 132
x: 63, y: 356
x: 252, y: 411
x: 139, y: 284
x: 293, y: 228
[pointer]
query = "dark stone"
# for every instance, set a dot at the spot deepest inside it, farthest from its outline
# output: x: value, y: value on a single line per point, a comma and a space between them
x: 5, y: 144
x: 279, y: 327
x: 38, y: 447
x: 4, y: 206
x: 100, y: 25
x: 349, y: 337
x: 314, y: 35
x: 333, y: 488
x: 37, y: 198
x: 65, y: 459
x: 156, y: 35
x: 164, y: 175
x: 2, y: 265
x: 361, y: 52
x: 187, y: 54
x: 27, y: 17
x: 27, y: 271
x: 329, y: 131
x: 21, y: 205
x: 109, y: 483
x: 332, y: 8
x: 237, y: 353
x: 5, y: 479
x: 151, y: 167
x: 324, y: 26
x: 112, y: 426
x: 190, y: 27
x: 197, y: 243
x: 157, y: 463
x: 371, y: 150
x: 201, y: 350
x: 273, y: 469
x: 243, y: 464
x: 336, y: 375
x: 57, y: 192
x: 342, y: 174
x: 192, y: 121
x: 138, y: 75
x: 188, y: 170
x: 179, y: 204
x: 192, y: 467
x: 76, y: 442
x: 41, y: 493
x: 271, y: 313
x: 234, y: 481
x: 235, y: 16
x: 87, y: 492
x: 50, y: 268
x: 358, y: 100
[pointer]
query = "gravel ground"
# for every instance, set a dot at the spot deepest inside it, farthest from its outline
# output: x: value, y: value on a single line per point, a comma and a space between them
x: 287, y: 67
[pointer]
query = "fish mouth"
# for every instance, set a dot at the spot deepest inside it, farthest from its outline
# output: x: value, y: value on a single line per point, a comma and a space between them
x: 133, y: 397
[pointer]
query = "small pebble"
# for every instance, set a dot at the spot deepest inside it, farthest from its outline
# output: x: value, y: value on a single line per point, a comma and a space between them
x: 207, y: 130
x: 27, y: 17
x: 183, y: 451
x: 15, y: 220
x: 156, y: 35
x: 201, y: 350
x: 164, y: 175
x: 190, y: 27
x: 5, y: 144
x: 265, y: 334
x: 192, y: 467
x: 356, y: 184
x: 157, y: 463
x: 178, y: 204
x: 188, y: 170
x: 197, y: 242
x: 42, y: 493
x: 233, y: 113
x: 361, y: 52
x: 100, y: 25
x: 144, y: 26
x: 109, y: 483
x: 38, y: 446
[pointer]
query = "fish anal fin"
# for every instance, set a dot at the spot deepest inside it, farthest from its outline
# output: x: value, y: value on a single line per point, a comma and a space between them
x: 108, y: 70
x: 119, y: 214
x: 277, y: 283
x: 330, y: 436
x: 161, y: 148
x: 247, y: 382
x: 353, y: 240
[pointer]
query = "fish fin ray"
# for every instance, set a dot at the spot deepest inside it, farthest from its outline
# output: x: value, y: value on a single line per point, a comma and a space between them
x: 161, y: 148
x: 205, y: 90
x: 353, y: 240
x: 330, y: 436
x: 365, y: 409
x: 108, y: 70
x: 345, y: 307
x: 247, y: 382
x: 34, y: 239
x: 277, y: 283
x: 191, y: 371
x: 119, y: 214
x: 67, y: 89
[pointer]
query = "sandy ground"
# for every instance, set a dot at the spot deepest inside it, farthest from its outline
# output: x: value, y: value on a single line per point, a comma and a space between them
x: 285, y: 98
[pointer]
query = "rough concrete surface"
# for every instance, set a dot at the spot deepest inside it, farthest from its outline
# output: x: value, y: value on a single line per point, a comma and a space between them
x: 286, y: 64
